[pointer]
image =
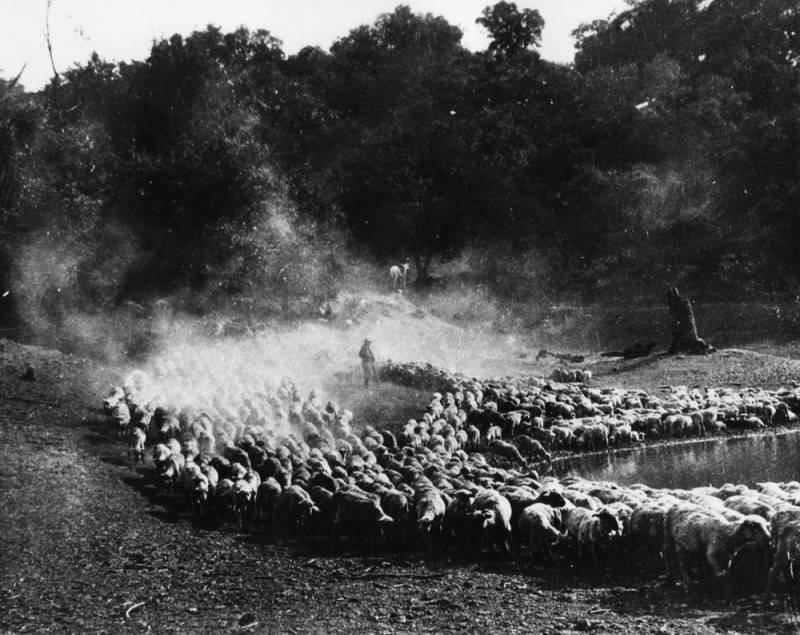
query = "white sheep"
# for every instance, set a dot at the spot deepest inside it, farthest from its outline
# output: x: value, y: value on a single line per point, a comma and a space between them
x: 399, y: 274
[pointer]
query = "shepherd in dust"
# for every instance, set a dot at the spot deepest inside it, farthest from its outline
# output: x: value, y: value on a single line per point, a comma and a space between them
x: 368, y: 362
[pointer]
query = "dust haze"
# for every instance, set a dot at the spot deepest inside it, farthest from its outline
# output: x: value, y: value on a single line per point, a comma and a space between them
x: 239, y: 344
x: 192, y: 369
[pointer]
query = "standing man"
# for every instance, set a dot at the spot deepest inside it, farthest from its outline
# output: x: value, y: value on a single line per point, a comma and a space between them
x: 368, y: 362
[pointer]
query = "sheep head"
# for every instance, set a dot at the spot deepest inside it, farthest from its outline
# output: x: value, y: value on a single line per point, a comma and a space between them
x: 552, y: 498
x: 751, y: 529
x: 608, y: 524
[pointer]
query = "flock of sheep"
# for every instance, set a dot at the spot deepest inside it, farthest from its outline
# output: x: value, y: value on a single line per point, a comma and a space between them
x: 575, y: 417
x: 271, y: 461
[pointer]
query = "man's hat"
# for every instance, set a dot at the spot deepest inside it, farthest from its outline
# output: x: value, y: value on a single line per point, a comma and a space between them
x: 366, y: 341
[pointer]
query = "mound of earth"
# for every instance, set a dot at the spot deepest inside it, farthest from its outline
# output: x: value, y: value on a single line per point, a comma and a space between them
x: 726, y: 367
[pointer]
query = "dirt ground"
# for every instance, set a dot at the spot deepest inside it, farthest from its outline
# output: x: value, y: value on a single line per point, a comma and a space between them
x: 90, y: 545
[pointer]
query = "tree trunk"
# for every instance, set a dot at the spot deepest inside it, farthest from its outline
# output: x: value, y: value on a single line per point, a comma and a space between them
x: 421, y: 266
x: 684, y: 328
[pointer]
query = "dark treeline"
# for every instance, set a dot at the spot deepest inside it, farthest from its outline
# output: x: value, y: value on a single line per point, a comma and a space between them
x: 667, y: 154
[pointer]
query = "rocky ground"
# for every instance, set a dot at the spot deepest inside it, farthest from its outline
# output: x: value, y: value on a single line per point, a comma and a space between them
x: 90, y: 545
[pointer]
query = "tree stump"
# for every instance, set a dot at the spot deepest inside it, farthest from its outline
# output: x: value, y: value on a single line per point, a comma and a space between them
x: 684, y: 327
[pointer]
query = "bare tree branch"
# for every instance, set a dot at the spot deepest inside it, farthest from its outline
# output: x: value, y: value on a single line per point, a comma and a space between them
x: 14, y: 81
x: 56, y: 76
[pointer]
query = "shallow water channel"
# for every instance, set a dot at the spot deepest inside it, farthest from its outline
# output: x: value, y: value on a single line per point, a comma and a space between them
x: 710, y: 462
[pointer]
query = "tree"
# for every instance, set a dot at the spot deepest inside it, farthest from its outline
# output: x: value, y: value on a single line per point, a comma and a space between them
x: 510, y: 29
x: 397, y: 91
x: 638, y: 34
x: 684, y: 328
x: 707, y: 91
x: 20, y: 116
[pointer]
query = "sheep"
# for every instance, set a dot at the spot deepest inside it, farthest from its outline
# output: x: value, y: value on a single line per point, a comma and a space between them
x: 160, y: 454
x: 429, y: 508
x: 357, y: 513
x: 174, y: 446
x: 121, y: 416
x: 206, y: 444
x: 621, y: 436
x: 455, y: 523
x: 582, y: 499
x: 548, y: 438
x: 785, y: 529
x: 491, y: 522
x: 114, y: 397
x: 540, y: 530
x: 695, y: 534
x: 532, y: 449
x: 520, y: 496
x: 473, y: 438
x: 190, y: 448
x: 170, y: 470
x: 236, y: 455
x: 563, y: 437
x: 594, y: 437
x: 645, y: 527
x: 592, y: 531
x: 296, y: 509
x: 211, y: 475
x: 493, y: 433
x: 397, y: 506
x: 506, y: 450
x: 748, y: 504
x: 170, y: 428
x: 267, y: 497
x: 431, y: 488
x: 223, y: 500
x: 244, y: 501
x: 198, y: 490
x: 136, y: 444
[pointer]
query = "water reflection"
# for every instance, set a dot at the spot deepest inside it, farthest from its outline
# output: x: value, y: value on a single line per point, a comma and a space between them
x: 711, y: 462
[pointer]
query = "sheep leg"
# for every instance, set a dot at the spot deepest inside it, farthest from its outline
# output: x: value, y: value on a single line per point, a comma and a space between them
x: 269, y: 522
x: 668, y: 555
x: 774, y: 571
x: 723, y: 582
x: 597, y: 559
x: 515, y: 547
x: 717, y: 567
x: 334, y: 533
x: 683, y: 567
x: 429, y: 542
x: 535, y: 550
x: 770, y: 584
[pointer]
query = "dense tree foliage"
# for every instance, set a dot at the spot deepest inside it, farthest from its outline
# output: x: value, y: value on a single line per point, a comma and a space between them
x: 667, y: 154
x: 510, y: 29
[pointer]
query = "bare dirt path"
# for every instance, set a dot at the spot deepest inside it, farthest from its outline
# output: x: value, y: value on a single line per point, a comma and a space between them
x: 86, y: 537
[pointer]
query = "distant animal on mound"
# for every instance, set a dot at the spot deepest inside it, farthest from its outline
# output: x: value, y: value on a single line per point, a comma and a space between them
x: 399, y: 274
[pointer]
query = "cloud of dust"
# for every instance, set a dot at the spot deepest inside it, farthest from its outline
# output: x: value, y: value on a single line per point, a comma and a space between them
x: 190, y: 359
x: 65, y: 291
x: 227, y: 374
